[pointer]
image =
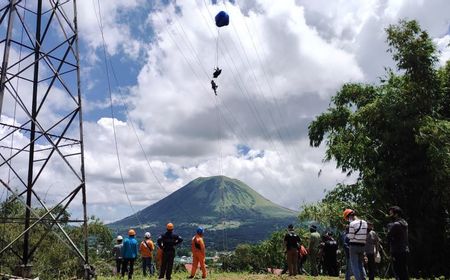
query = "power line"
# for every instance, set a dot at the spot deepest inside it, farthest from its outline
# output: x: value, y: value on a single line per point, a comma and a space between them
x: 100, y: 23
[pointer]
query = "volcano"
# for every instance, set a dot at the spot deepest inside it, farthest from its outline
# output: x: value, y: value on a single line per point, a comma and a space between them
x: 230, y: 211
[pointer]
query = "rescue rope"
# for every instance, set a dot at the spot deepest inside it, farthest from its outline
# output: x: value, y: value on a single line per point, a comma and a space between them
x: 100, y: 23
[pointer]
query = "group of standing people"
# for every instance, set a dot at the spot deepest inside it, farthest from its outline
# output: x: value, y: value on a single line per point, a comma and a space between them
x: 126, y: 252
x: 361, y: 246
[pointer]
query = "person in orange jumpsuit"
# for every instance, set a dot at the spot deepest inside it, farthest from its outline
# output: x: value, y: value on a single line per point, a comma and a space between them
x: 198, y: 253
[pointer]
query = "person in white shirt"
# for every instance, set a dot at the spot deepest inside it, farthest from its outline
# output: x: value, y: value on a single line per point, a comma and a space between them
x: 357, y: 234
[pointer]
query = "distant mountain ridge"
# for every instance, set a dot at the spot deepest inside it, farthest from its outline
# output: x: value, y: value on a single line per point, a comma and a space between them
x: 216, y: 203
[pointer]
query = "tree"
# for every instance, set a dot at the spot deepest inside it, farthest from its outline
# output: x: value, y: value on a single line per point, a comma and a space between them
x: 395, y: 135
x: 54, y: 258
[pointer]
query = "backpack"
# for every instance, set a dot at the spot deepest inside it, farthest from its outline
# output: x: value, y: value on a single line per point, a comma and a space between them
x: 302, y: 250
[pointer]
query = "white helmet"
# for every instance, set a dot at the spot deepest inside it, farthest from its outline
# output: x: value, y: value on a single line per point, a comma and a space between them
x: 147, y: 235
x: 119, y: 238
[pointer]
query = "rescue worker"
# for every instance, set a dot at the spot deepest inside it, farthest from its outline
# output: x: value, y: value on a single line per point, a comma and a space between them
x: 146, y: 248
x: 129, y: 253
x: 292, y: 243
x: 159, y: 257
x: 346, y: 245
x: 313, y: 249
x: 167, y: 242
x: 357, y: 234
x: 302, y: 256
x: 198, y: 253
x: 372, y: 248
x: 214, y: 86
x: 117, y: 253
x: 398, y: 243
x: 330, y: 248
x: 217, y: 72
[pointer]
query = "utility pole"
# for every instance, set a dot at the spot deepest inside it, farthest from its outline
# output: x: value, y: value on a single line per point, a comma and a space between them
x: 41, y: 143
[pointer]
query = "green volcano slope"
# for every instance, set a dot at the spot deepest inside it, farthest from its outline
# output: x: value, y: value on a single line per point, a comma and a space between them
x: 230, y: 211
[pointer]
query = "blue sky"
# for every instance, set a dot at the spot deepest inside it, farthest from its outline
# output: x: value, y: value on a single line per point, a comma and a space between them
x: 281, y: 61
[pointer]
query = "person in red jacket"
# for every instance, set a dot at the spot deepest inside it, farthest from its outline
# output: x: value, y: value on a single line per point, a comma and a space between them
x: 198, y: 253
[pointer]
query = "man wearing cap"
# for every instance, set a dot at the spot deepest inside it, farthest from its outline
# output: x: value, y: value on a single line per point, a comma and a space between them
x: 313, y: 249
x: 117, y: 253
x: 167, y: 242
x: 198, y: 253
x: 129, y: 253
x: 292, y: 243
x: 357, y: 234
x: 146, y: 248
x: 398, y: 243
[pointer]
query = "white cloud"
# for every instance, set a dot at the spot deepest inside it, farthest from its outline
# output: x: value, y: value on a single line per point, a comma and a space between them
x: 281, y: 63
x: 443, y: 45
x: 118, y: 35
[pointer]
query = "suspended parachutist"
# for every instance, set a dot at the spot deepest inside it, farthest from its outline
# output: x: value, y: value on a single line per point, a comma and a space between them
x: 214, y: 86
x: 217, y: 72
x: 222, y: 19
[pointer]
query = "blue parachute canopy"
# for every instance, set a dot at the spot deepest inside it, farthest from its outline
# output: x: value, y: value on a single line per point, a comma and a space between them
x: 222, y: 19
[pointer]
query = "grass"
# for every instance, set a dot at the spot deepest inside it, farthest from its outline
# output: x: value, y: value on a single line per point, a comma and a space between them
x: 231, y: 276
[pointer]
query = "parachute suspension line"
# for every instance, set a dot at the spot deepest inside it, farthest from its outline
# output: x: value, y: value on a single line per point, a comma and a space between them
x: 142, y: 147
x: 137, y: 136
x: 219, y: 136
x: 217, y: 47
x: 224, y: 217
x: 269, y: 83
x: 243, y: 89
x: 105, y: 56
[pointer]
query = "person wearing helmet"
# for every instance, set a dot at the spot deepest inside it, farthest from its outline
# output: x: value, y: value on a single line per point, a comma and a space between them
x: 357, y: 235
x: 398, y: 243
x: 146, y: 248
x: 167, y: 242
x: 198, y: 253
x: 129, y: 253
x: 117, y: 253
x: 313, y: 249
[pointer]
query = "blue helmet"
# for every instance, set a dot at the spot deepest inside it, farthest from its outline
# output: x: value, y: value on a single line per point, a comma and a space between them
x: 200, y: 230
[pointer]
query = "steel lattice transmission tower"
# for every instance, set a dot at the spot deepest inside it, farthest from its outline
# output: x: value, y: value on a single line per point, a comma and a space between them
x: 41, y: 132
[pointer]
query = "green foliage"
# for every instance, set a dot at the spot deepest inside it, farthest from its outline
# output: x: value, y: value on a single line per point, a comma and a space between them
x: 53, y: 257
x: 325, y: 213
x: 396, y: 137
x: 257, y: 258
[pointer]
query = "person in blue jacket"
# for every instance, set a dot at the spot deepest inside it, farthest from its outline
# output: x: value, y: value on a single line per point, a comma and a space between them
x: 129, y: 253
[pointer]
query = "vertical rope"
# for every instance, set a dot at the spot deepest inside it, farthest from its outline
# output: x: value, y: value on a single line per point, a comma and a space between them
x: 116, y: 145
x: 217, y: 47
